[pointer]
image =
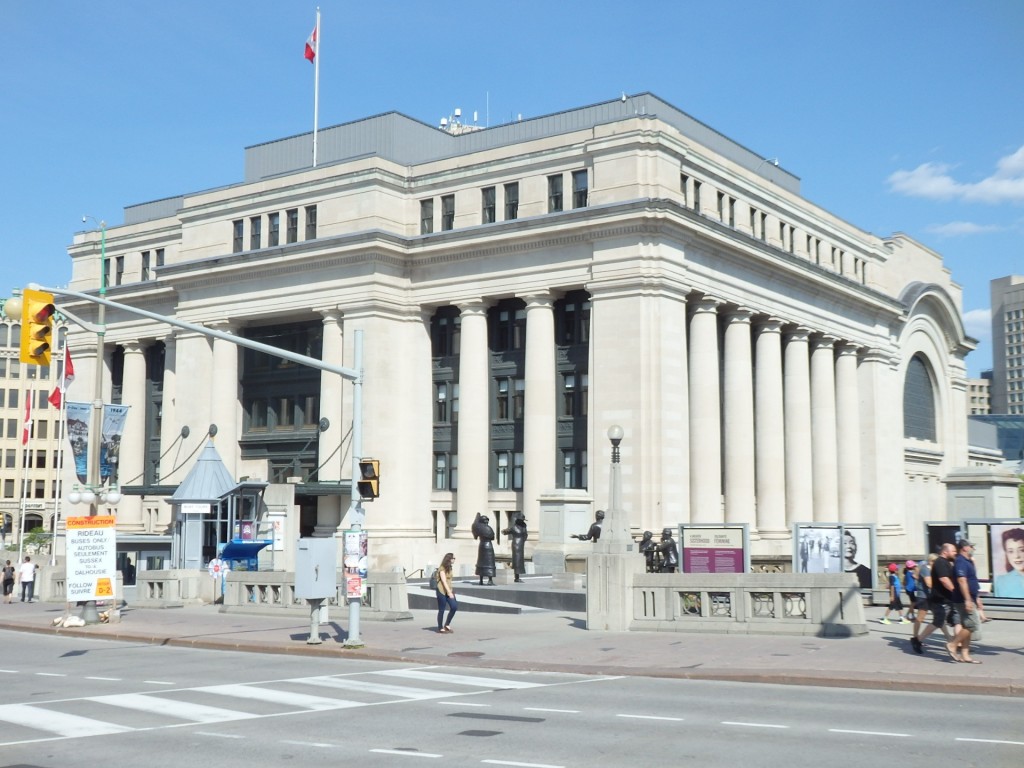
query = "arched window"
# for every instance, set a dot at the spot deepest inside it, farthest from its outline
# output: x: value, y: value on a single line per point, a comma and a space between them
x: 919, y: 401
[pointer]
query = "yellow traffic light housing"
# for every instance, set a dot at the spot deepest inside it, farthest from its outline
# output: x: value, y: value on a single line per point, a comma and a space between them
x: 36, y: 326
x: 368, y: 484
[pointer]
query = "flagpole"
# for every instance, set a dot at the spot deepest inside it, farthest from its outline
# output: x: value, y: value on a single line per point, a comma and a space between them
x: 316, y: 83
x: 26, y: 436
x: 62, y: 420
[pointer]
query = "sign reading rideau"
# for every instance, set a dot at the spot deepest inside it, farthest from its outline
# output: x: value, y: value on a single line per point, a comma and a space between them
x: 91, y: 557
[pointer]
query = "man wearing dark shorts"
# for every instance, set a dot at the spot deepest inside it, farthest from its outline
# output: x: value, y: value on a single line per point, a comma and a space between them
x: 967, y: 589
x: 941, y: 596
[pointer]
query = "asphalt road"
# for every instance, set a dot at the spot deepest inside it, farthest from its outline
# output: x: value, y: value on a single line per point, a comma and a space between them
x: 79, y: 702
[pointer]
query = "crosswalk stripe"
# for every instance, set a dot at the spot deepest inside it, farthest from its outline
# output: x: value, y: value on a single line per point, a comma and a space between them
x: 288, y: 698
x: 183, y: 710
x: 445, y: 677
x: 52, y: 721
x: 364, y: 686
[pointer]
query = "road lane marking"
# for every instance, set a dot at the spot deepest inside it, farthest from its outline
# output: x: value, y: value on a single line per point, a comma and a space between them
x: 405, y: 753
x: 652, y: 717
x: 463, y: 704
x: 287, y: 698
x: 546, y: 709
x: 157, y: 682
x: 108, y: 679
x: 445, y: 677
x: 521, y: 765
x: 60, y: 723
x: 183, y: 710
x: 220, y: 735
x: 50, y: 674
x: 365, y: 686
x: 322, y: 745
x: 754, y: 725
x: 995, y: 741
x: 868, y: 733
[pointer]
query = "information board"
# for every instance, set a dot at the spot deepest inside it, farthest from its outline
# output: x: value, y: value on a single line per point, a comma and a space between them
x: 91, y: 557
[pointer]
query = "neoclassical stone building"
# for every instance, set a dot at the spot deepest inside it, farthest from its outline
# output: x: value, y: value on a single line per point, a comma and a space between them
x: 521, y: 289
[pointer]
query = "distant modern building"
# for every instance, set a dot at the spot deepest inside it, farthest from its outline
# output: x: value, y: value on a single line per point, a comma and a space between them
x: 521, y: 289
x: 978, y: 395
x: 1008, y: 345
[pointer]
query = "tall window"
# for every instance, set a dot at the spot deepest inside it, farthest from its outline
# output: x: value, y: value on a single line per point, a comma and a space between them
x: 512, y: 201
x: 440, y: 471
x: 292, y: 217
x: 574, y: 394
x: 119, y: 271
x: 274, y: 227
x: 311, y: 222
x: 426, y: 216
x: 580, y: 189
x: 574, y: 468
x: 696, y: 196
x: 145, y: 265
x: 919, y: 402
x: 159, y: 257
x: 488, y: 201
x: 508, y: 474
x: 447, y: 213
x: 554, y: 193
x: 238, y: 231
x: 255, y: 233
x: 445, y: 332
x: 509, y: 329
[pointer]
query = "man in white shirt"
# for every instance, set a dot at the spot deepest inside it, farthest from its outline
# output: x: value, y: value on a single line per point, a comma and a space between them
x: 27, y: 576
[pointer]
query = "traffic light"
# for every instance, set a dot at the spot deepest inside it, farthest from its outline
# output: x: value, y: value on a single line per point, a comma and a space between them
x: 368, y: 484
x: 36, y: 326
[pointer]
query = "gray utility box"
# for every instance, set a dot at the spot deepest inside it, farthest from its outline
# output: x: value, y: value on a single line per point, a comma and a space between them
x: 316, y: 574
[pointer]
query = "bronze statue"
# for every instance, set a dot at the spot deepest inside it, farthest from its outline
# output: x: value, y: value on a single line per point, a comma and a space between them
x: 668, y: 552
x: 485, y: 552
x: 649, y: 549
x: 517, y: 538
x: 595, y: 529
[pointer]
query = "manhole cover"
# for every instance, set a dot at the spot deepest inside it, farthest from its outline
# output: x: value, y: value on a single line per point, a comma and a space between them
x: 467, y: 654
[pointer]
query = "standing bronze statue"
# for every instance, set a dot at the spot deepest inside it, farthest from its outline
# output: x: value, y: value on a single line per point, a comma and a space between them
x: 668, y: 552
x: 485, y: 551
x: 649, y: 548
x: 595, y: 529
x: 517, y: 537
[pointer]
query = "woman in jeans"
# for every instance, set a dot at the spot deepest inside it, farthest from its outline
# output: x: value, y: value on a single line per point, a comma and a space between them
x: 445, y: 593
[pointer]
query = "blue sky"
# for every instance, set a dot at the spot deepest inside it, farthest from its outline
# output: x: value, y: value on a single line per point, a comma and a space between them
x: 900, y: 116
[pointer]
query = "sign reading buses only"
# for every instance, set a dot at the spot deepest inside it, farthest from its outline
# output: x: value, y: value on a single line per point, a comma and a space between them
x: 91, y: 557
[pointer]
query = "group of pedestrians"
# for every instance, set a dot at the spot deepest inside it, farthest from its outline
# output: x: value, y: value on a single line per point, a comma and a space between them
x: 947, y: 586
x: 26, y: 574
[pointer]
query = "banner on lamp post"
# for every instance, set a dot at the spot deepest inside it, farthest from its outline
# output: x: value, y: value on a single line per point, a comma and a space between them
x: 78, y: 420
x: 114, y: 417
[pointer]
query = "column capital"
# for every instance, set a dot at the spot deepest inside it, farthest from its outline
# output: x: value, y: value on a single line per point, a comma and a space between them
x: 798, y: 333
x: 133, y: 347
x: 331, y: 315
x: 823, y: 341
x: 739, y: 316
x: 770, y: 324
x: 705, y: 305
x: 848, y: 348
x: 224, y: 326
x: 536, y: 299
x: 473, y: 306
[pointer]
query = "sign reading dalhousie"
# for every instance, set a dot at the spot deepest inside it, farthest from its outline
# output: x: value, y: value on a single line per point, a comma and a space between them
x: 92, y: 559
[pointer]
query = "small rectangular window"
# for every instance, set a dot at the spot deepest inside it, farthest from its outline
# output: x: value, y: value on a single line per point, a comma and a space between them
x: 292, y: 233
x: 554, y: 193
x: 119, y: 271
x: 684, y: 180
x: 580, y: 189
x: 512, y: 201
x: 488, y: 213
x: 311, y: 222
x: 696, y: 196
x: 238, y: 231
x: 255, y: 233
x: 447, y: 213
x: 159, y: 257
x: 274, y: 227
x: 426, y: 216
x: 145, y: 266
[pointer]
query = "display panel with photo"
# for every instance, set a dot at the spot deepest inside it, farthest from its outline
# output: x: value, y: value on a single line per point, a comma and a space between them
x: 1007, y: 547
x: 858, y: 555
x: 818, y: 549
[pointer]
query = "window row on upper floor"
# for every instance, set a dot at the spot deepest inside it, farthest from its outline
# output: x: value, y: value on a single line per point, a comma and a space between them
x: 759, y: 225
x: 273, y: 229
x: 508, y: 204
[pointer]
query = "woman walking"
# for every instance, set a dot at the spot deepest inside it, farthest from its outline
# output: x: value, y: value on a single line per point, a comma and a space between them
x: 445, y: 594
x: 8, y: 574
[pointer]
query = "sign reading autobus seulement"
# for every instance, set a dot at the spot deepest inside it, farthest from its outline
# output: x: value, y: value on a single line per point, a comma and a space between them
x: 91, y: 557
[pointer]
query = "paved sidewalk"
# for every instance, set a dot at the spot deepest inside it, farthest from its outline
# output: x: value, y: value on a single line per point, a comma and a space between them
x: 558, y: 641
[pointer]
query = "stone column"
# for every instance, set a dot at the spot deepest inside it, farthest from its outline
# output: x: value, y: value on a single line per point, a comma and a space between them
x: 170, y: 420
x: 770, y: 442
x: 224, y: 404
x: 823, y: 429
x: 797, y: 404
x: 539, y: 438
x: 848, y: 434
x: 474, y: 413
x: 705, y: 419
x: 328, y: 508
x: 132, y: 451
x: 738, y: 419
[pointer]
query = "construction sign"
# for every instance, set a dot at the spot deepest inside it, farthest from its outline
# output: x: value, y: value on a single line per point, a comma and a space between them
x: 91, y: 557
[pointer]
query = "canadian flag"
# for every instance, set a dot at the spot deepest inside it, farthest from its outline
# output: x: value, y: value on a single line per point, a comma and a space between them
x: 55, y: 397
x: 28, y: 417
x: 311, y: 44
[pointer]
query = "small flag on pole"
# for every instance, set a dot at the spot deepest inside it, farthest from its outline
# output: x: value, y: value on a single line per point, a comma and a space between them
x: 311, y: 43
x: 56, y: 397
x: 28, y: 417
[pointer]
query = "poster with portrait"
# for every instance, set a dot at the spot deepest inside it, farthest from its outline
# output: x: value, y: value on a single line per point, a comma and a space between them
x: 1007, y: 548
x: 817, y: 549
x: 859, y: 554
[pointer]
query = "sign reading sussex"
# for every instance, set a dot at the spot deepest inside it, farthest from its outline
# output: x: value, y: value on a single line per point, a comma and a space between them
x: 91, y: 557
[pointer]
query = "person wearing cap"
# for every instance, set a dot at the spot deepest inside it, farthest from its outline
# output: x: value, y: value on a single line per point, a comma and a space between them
x: 941, y: 598
x: 895, y: 603
x: 969, y: 620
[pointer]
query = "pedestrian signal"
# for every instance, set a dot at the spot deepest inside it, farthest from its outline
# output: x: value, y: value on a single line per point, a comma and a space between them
x: 368, y: 484
x: 36, y: 326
